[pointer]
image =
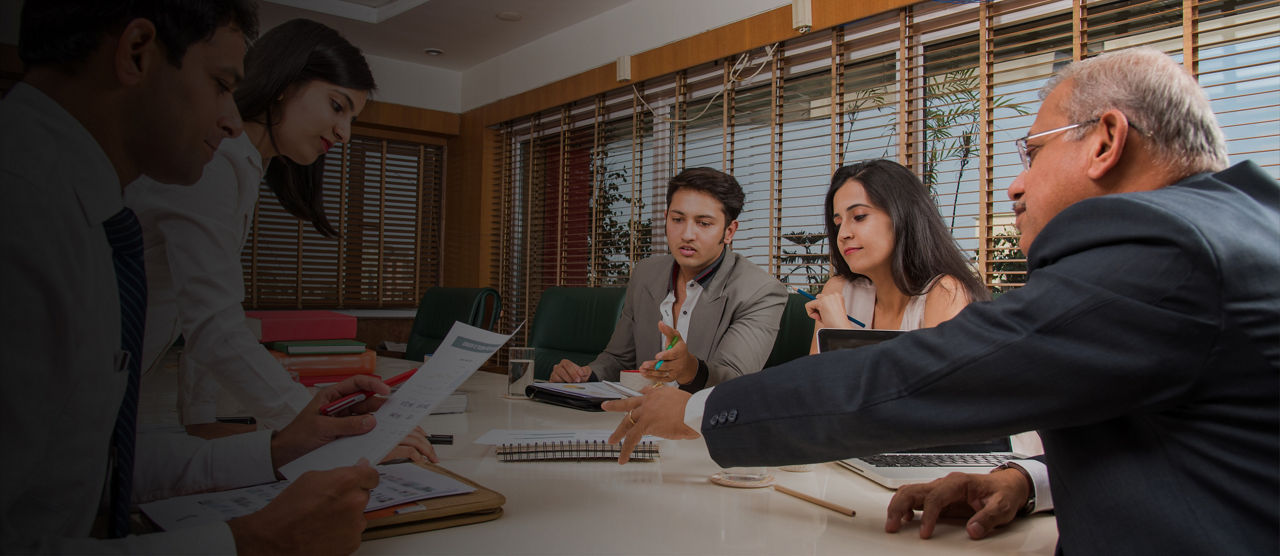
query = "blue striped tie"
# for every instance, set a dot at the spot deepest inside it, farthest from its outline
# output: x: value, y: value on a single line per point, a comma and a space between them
x: 125, y: 235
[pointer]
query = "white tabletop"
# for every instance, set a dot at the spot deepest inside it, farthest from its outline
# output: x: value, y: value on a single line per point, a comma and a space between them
x: 667, y: 507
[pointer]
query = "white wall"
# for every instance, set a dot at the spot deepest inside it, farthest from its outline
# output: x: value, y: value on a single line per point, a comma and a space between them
x: 632, y: 28
x: 413, y: 84
x: 629, y: 29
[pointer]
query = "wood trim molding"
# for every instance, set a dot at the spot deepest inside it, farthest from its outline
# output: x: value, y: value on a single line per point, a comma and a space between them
x: 756, y: 31
x: 392, y: 116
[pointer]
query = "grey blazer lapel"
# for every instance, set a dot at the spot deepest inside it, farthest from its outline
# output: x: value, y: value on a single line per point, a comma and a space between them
x: 646, y: 314
x: 708, y: 324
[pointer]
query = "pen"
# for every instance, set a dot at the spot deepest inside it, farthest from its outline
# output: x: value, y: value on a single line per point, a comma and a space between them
x: 674, y: 339
x: 828, y: 505
x: 811, y: 298
x: 355, y: 398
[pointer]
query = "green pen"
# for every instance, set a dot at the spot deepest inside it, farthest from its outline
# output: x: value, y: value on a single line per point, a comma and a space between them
x: 674, y: 339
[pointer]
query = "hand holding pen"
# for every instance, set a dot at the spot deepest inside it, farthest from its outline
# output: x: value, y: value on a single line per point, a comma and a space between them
x: 673, y: 363
x: 812, y: 307
x: 349, y: 400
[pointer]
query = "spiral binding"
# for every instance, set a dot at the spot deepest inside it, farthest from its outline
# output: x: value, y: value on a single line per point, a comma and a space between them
x: 574, y: 451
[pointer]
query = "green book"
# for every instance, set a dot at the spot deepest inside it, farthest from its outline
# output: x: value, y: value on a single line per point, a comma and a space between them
x: 318, y: 347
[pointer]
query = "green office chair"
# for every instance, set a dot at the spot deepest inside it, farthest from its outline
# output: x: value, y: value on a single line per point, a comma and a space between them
x: 573, y: 323
x: 795, y: 333
x: 440, y: 307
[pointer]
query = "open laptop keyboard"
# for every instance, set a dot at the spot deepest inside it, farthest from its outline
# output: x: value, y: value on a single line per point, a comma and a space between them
x: 936, y: 460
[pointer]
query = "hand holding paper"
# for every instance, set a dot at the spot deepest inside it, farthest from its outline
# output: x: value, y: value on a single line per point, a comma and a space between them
x: 459, y: 355
x: 311, y: 429
x: 320, y: 513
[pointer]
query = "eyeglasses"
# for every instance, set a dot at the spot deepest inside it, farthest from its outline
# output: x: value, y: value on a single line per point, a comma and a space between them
x: 1022, y: 143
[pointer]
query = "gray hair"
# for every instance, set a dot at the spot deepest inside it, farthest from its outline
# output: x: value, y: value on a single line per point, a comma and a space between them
x: 1162, y: 100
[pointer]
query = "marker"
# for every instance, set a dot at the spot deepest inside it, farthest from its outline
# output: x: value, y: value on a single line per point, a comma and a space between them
x: 352, y: 399
x: 811, y: 298
x: 674, y: 339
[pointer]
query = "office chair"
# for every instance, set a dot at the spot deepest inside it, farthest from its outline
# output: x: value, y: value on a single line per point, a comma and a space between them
x: 795, y: 332
x: 573, y: 323
x: 438, y: 310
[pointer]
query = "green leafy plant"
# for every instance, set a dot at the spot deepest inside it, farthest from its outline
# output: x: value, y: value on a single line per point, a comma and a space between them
x: 812, y: 265
x: 612, y: 237
x: 951, y: 118
x: 1010, y: 266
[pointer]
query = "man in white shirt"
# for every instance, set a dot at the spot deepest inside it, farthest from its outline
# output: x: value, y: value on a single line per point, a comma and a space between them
x: 724, y: 309
x: 114, y: 90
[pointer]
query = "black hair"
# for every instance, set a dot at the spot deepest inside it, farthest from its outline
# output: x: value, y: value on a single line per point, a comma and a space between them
x: 63, y: 33
x: 922, y: 246
x: 715, y: 183
x: 294, y: 53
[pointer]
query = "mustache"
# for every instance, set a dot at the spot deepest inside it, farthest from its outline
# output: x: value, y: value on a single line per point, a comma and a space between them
x: 1019, y: 206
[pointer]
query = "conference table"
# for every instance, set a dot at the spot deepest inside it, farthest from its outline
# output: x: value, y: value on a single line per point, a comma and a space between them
x: 663, y: 507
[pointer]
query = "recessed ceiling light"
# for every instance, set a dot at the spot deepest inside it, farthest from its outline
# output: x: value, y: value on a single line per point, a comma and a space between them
x: 432, y: 51
x: 509, y: 16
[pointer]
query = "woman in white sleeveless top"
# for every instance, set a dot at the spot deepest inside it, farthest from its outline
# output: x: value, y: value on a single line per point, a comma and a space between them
x: 894, y: 263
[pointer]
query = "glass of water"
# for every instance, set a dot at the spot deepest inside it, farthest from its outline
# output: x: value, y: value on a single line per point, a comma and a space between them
x: 519, y: 370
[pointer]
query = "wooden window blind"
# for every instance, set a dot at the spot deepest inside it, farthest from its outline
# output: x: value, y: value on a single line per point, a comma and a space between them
x: 942, y: 87
x: 385, y: 199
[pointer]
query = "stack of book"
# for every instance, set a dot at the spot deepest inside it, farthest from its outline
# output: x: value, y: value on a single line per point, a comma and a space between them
x: 316, y: 347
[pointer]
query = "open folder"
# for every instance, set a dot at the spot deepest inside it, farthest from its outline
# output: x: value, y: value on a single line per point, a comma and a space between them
x: 479, y: 505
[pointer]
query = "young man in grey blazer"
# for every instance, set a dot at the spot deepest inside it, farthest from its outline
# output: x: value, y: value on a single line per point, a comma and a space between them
x: 723, y: 309
x: 1142, y: 348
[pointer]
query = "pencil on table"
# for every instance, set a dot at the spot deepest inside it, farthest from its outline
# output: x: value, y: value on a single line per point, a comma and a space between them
x: 828, y: 505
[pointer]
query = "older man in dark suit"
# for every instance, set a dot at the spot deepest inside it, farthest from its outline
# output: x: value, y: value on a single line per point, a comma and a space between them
x: 1144, y: 346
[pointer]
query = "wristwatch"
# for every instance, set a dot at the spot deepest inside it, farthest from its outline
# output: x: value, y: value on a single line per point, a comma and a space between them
x: 1031, y: 486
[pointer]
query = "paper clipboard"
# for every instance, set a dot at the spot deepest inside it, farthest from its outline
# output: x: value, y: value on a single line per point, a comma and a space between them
x: 438, y: 513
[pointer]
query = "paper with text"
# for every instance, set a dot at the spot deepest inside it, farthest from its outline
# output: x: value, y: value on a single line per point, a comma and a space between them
x: 458, y: 357
x: 398, y: 484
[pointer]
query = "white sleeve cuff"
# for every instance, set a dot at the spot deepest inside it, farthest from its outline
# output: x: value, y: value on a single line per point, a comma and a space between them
x: 1039, y: 473
x: 694, y: 409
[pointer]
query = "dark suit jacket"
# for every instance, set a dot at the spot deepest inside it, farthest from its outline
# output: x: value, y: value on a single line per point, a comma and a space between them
x: 1145, y: 348
x: 732, y: 328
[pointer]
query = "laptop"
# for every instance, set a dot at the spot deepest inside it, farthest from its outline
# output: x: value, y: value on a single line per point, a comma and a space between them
x: 919, y: 465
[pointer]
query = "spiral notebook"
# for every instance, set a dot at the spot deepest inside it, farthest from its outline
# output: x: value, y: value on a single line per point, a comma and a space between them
x: 553, y: 445
x: 574, y: 451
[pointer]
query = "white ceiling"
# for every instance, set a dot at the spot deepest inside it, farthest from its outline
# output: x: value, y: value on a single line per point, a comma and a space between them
x: 468, y: 31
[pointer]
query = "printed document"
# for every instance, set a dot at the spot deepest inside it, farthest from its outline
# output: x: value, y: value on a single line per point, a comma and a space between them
x: 458, y: 357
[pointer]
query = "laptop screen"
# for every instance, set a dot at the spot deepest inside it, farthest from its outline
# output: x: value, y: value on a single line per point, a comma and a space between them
x: 831, y: 339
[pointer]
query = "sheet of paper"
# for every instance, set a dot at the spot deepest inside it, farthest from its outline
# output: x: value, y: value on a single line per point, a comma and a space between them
x: 399, y: 483
x: 497, y: 437
x: 459, y: 355
x: 455, y: 403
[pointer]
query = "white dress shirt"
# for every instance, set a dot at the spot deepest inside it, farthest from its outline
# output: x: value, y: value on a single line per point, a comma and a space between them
x: 192, y: 239
x: 61, y: 357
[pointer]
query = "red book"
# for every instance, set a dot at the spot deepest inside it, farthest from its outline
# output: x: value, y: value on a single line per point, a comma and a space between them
x: 279, y: 326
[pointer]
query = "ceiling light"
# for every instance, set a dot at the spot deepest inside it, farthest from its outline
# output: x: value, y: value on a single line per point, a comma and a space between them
x: 432, y: 51
x: 509, y: 16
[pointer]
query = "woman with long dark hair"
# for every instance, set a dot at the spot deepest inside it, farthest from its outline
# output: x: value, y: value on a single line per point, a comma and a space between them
x: 303, y: 86
x: 894, y: 263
